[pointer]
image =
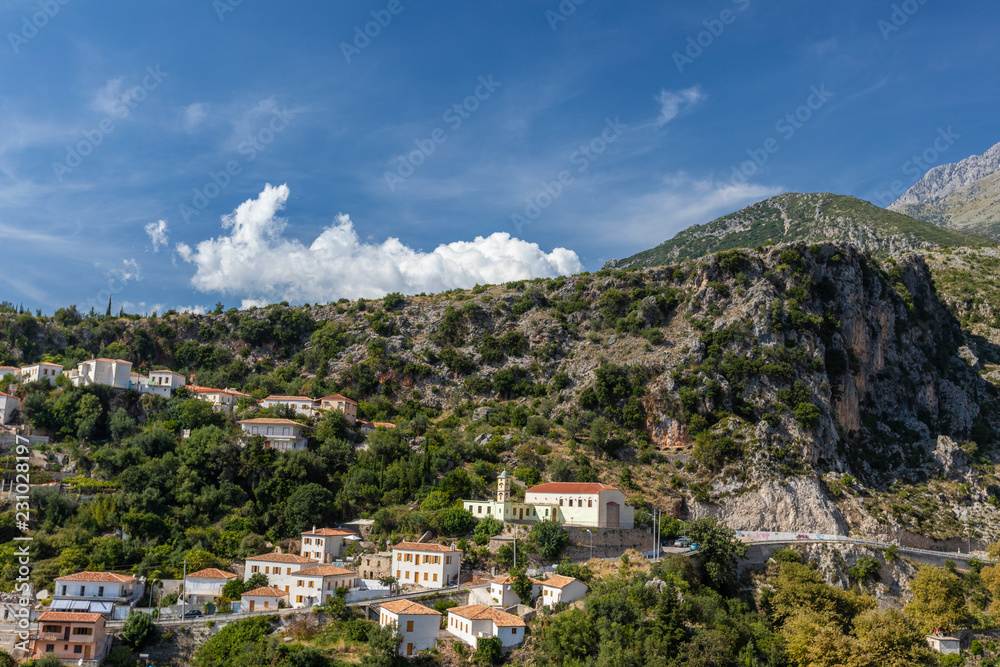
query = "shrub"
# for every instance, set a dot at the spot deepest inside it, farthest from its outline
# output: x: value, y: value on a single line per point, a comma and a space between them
x: 549, y: 538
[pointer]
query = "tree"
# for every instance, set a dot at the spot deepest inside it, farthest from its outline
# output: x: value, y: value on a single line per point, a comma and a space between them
x: 521, y: 585
x: 308, y: 504
x: 234, y: 588
x: 48, y: 661
x: 256, y: 580
x: 530, y: 475
x: 570, y: 638
x: 549, y: 538
x: 887, y: 638
x: 719, y: 550
x: 383, y: 648
x: 201, y: 560
x: 230, y: 642
x: 453, y: 522
x: 121, y: 425
x: 938, y: 600
x: 138, y: 630
x: 120, y: 656
x: 486, y: 529
x: 489, y: 651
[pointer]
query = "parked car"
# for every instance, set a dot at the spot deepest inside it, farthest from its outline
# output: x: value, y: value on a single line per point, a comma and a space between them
x: 192, y: 613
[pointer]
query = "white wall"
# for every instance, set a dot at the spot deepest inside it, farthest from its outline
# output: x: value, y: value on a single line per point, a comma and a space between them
x: 417, y: 572
x: 423, y: 637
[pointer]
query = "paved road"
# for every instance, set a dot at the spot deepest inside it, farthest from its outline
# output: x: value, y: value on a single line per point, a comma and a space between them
x: 759, y: 537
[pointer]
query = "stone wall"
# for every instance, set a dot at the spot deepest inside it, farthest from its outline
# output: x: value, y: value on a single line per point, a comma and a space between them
x: 608, y: 542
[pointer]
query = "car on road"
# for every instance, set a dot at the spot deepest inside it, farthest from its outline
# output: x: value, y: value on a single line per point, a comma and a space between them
x: 192, y: 613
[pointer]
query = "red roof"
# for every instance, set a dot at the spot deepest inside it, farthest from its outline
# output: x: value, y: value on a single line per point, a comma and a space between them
x: 268, y: 420
x: 408, y: 607
x: 266, y: 592
x: 325, y: 571
x: 283, y: 558
x: 480, y: 612
x: 212, y: 573
x: 570, y: 487
x: 338, y: 397
x: 417, y: 546
x: 557, y: 581
x: 69, y: 617
x: 98, y: 576
x: 289, y: 398
x: 327, y: 531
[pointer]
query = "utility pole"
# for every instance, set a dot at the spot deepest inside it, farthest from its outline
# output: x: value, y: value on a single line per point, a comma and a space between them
x: 591, y: 543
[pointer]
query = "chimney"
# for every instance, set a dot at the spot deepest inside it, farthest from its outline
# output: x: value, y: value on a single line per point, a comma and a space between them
x: 314, y: 528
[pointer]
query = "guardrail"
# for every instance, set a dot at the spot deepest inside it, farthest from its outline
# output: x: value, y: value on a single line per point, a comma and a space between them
x: 762, y: 537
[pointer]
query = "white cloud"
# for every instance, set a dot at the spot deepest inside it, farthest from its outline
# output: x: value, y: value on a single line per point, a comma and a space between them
x: 107, y: 100
x: 194, y: 310
x: 130, y: 271
x: 672, y: 103
x: 157, y: 232
x: 258, y: 263
x: 194, y: 114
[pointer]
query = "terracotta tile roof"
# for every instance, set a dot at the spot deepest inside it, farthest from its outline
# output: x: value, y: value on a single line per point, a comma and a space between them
x: 417, y: 546
x: 408, y: 607
x: 283, y: 558
x: 98, y: 576
x: 480, y: 612
x: 266, y: 592
x: 164, y: 370
x: 338, y: 397
x: 328, y: 531
x: 69, y: 617
x: 558, y: 581
x: 290, y: 398
x: 9, y: 368
x: 7, y: 395
x: 209, y: 390
x: 570, y: 487
x: 268, y: 420
x: 121, y: 361
x: 506, y: 579
x: 326, y: 571
x: 212, y: 573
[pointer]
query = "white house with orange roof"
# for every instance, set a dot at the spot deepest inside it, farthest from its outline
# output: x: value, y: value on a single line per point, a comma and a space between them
x: 281, y: 434
x: 346, y: 405
x: 71, y: 637
x: 558, y: 588
x: 280, y: 569
x: 97, y: 592
x: 10, y: 370
x: 473, y: 622
x: 41, y: 371
x: 109, y: 372
x: 222, y: 400
x: 301, y: 404
x: 206, y: 585
x: 502, y: 590
x: 417, y: 624
x: 318, y: 583
x: 265, y: 598
x: 324, y: 544
x: 426, y: 565
x: 163, y: 382
x: 8, y: 406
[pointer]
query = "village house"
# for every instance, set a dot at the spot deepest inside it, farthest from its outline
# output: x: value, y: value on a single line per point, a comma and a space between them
x: 109, y: 372
x: 205, y: 585
x: 301, y: 404
x: 70, y: 637
x: 370, y: 427
x: 376, y: 566
x: 97, y: 592
x: 10, y: 370
x: 280, y: 569
x: 138, y: 382
x: 944, y: 644
x: 417, y: 624
x: 558, y: 589
x: 472, y: 622
x: 281, y: 434
x: 324, y: 544
x: 502, y: 591
x: 163, y: 382
x: 42, y: 371
x: 222, y: 400
x: 315, y: 585
x: 427, y: 565
x: 569, y: 503
x: 263, y: 599
x: 8, y: 406
x: 342, y: 403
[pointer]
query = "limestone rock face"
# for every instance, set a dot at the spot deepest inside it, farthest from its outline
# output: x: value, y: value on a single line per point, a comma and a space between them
x: 798, y: 505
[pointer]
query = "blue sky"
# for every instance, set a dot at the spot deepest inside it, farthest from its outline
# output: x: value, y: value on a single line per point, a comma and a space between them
x: 176, y: 154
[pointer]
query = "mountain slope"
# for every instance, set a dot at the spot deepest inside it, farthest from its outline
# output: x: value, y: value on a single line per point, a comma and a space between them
x: 812, y: 218
x: 964, y: 195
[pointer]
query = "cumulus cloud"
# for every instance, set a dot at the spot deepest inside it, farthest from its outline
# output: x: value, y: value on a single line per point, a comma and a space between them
x: 157, y: 232
x: 255, y: 261
x: 672, y: 103
x: 194, y: 310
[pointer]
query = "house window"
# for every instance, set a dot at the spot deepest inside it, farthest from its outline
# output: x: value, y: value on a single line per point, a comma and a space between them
x: 308, y: 541
x: 488, y: 511
x: 409, y: 626
x: 435, y: 577
x: 286, y: 431
x: 560, y: 502
x: 570, y: 502
x: 51, y: 628
x: 267, y: 569
x: 49, y: 648
x: 590, y: 503
x: 254, y: 430
x: 447, y: 560
x: 270, y: 430
x: 78, y: 649
x: 513, y: 631
x: 425, y: 576
x: 64, y: 590
x: 298, y: 598
x: 83, y: 631
x: 479, y: 509
x: 288, y: 570
x: 100, y: 591
x: 299, y: 583
x: 254, y: 569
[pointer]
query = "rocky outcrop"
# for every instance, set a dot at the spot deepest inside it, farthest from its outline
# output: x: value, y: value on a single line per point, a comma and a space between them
x: 943, y: 180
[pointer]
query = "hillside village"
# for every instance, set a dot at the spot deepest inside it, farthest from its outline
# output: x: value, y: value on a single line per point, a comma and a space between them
x: 490, y: 468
